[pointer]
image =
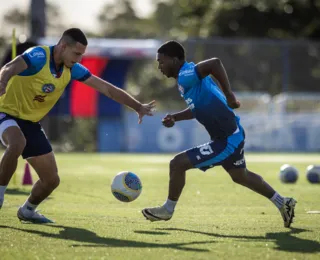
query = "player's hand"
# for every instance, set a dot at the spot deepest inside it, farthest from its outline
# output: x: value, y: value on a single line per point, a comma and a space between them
x: 168, y: 120
x: 3, y: 87
x: 146, y: 109
x: 232, y: 101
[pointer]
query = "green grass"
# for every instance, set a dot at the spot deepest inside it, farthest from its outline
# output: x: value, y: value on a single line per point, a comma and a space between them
x: 215, y: 218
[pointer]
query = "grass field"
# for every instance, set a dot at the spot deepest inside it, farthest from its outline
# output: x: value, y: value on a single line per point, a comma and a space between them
x: 215, y: 218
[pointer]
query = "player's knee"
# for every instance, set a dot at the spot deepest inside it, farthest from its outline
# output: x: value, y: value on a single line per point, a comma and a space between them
x: 53, y: 182
x: 180, y: 163
x: 238, y: 179
x: 174, y: 164
x: 177, y: 164
x: 238, y: 175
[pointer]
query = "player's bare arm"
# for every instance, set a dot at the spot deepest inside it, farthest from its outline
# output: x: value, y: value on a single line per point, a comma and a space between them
x: 170, y: 119
x: 120, y: 96
x: 215, y: 68
x: 9, y: 70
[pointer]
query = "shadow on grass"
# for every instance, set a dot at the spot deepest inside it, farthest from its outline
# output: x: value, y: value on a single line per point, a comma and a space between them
x: 285, y: 241
x: 151, y: 232
x: 17, y: 191
x: 82, y: 235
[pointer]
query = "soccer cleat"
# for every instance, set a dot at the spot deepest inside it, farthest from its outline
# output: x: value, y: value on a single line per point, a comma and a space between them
x: 35, y: 217
x: 157, y: 214
x: 287, y: 211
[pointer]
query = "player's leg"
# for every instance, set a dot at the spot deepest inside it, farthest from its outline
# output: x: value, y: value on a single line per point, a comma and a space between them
x: 46, y: 168
x: 235, y: 165
x: 178, y: 167
x: 12, y: 137
x: 252, y: 181
x: 38, y: 153
x: 204, y: 156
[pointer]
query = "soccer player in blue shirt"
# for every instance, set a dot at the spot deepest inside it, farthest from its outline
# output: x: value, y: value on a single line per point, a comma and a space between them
x: 212, y: 105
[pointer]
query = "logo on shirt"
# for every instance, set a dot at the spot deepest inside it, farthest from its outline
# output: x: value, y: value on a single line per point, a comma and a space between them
x: 38, y: 54
x: 181, y: 89
x: 48, y: 88
x: 39, y: 98
x: 187, y: 72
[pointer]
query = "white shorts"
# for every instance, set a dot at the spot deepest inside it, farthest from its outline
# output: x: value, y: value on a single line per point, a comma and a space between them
x: 6, y: 124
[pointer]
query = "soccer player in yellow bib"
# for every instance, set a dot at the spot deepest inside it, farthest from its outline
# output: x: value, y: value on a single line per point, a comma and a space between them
x: 30, y: 85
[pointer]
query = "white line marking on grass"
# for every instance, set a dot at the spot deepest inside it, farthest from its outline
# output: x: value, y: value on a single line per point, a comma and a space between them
x: 284, y: 158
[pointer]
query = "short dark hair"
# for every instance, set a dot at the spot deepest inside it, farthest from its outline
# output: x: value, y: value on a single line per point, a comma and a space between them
x: 74, y: 35
x: 172, y: 49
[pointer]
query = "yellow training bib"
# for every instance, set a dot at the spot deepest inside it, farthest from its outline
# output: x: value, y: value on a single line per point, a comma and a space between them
x: 32, y: 97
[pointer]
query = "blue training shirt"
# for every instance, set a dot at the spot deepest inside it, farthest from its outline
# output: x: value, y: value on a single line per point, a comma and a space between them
x: 36, y: 58
x: 207, y: 103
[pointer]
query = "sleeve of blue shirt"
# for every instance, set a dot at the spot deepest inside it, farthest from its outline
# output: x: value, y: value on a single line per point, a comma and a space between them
x: 35, y: 58
x: 189, y: 77
x: 80, y: 72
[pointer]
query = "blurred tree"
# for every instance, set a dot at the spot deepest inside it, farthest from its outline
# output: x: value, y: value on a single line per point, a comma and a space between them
x: 274, y: 19
x: 287, y: 19
x: 2, y: 42
x: 183, y: 19
x: 21, y: 20
x: 275, y: 65
x: 119, y: 20
x: 194, y: 22
x: 55, y: 24
x: 17, y: 18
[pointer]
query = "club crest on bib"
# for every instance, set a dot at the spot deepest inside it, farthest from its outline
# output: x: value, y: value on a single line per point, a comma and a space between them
x: 48, y: 88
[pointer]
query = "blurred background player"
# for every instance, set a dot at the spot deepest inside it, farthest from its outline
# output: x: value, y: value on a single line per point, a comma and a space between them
x: 30, y: 85
x: 214, y: 110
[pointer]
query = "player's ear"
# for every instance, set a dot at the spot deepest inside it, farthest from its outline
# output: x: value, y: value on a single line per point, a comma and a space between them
x: 63, y: 45
x: 175, y: 60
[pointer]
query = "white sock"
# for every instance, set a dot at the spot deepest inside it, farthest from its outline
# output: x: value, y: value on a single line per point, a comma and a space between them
x: 27, y: 206
x: 277, y: 200
x: 170, y: 205
x: 2, y: 191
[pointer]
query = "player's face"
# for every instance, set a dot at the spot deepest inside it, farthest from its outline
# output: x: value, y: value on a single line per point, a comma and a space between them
x: 73, y: 54
x: 166, y: 65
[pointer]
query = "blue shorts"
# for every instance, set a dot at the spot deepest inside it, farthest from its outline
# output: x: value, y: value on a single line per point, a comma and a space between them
x: 225, y: 152
x: 36, y: 140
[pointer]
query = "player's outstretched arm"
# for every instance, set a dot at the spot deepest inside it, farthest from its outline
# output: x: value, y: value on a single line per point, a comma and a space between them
x: 215, y: 68
x: 121, y: 96
x: 9, y: 70
x: 170, y: 119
